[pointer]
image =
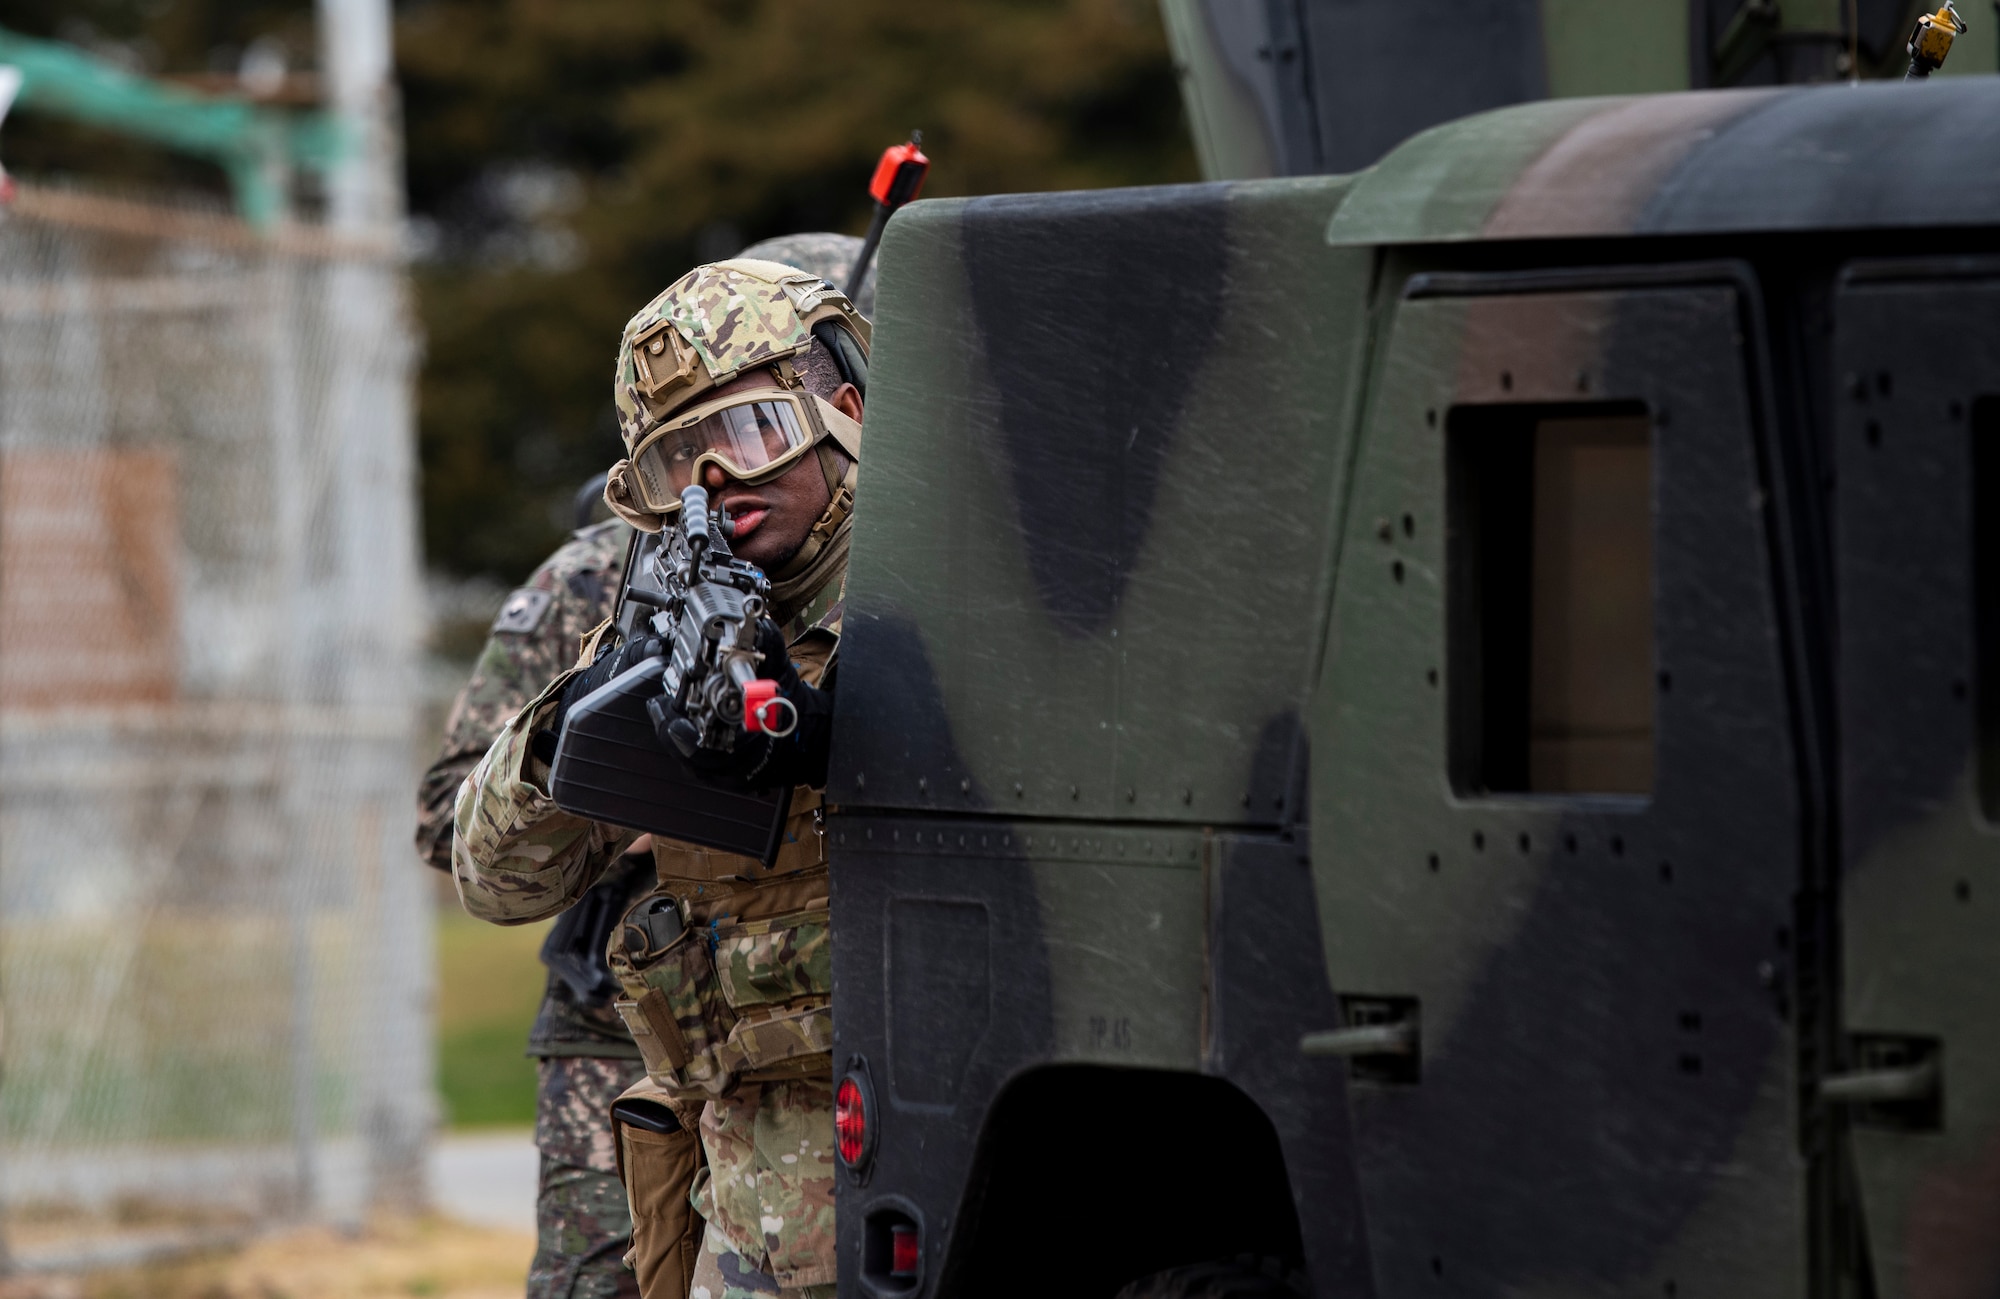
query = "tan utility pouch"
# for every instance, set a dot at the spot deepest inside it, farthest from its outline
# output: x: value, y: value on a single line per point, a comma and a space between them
x: 734, y: 999
x: 659, y: 1170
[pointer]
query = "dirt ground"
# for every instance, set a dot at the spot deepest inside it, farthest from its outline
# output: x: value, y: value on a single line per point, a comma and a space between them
x: 429, y: 1258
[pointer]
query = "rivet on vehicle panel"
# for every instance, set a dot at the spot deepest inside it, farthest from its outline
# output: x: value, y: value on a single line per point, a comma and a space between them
x: 1433, y: 862
x: 1963, y: 890
x: 1857, y: 387
x: 895, y: 836
x: 1409, y: 525
x: 1131, y: 794
x: 922, y: 784
x: 1383, y: 532
x: 1872, y: 431
x: 1187, y: 796
x: 1506, y: 381
x: 871, y: 832
x: 961, y: 841
x: 1583, y: 381
x: 860, y: 781
x: 1666, y: 872
x: 1767, y: 973
x: 1018, y: 791
x: 1617, y: 846
x: 1431, y: 417
x: 1569, y: 843
x: 965, y: 785
x: 983, y: 842
x: 1666, y: 681
x: 1882, y: 383
x: 1479, y: 841
x: 1431, y: 675
x: 1396, y: 570
x: 1526, y: 843
x: 1074, y: 793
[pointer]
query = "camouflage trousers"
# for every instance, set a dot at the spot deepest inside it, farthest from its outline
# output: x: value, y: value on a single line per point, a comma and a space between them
x: 767, y: 1192
x: 721, y: 1273
x: 583, y: 1225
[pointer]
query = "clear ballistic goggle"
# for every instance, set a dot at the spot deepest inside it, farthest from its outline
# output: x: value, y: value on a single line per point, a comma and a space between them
x: 751, y: 436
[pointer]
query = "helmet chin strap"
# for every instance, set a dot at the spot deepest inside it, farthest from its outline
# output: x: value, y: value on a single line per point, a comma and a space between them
x: 825, y: 547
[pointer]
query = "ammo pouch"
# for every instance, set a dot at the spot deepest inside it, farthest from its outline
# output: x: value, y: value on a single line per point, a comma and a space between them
x: 712, y: 1004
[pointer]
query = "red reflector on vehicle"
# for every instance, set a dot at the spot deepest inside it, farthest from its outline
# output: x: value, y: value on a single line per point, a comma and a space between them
x: 902, y: 1251
x: 850, y: 1130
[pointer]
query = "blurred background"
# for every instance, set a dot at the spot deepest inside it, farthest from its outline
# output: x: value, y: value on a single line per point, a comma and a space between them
x: 303, y: 357
x: 307, y: 309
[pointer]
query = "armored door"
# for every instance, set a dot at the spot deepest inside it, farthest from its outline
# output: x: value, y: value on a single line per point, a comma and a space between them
x: 1917, y: 541
x: 1556, y: 801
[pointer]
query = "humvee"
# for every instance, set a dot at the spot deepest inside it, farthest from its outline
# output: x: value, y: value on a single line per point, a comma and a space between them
x: 1437, y: 731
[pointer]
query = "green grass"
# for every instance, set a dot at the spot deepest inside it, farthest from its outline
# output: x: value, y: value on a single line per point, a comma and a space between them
x: 489, y: 984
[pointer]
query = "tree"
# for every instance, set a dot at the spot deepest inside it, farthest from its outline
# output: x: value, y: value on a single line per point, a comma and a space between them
x: 567, y: 159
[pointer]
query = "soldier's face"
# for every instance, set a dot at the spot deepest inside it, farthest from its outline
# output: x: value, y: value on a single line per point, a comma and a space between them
x: 772, y: 518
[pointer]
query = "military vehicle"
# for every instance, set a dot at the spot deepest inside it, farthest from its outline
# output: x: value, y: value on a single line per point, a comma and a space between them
x: 1304, y: 87
x: 1437, y: 731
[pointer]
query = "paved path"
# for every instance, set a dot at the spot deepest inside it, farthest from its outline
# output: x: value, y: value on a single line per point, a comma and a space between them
x: 486, y: 1178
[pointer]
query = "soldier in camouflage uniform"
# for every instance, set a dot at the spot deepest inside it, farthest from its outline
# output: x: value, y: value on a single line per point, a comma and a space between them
x: 733, y: 1016
x: 585, y: 1055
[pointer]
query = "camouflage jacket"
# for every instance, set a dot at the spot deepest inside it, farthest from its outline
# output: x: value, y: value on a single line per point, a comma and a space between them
x: 534, y: 638
x: 517, y: 857
x: 767, y: 1132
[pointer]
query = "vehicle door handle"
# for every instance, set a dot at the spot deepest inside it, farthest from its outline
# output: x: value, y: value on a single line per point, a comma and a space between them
x: 1914, y: 1082
x: 1362, y: 1039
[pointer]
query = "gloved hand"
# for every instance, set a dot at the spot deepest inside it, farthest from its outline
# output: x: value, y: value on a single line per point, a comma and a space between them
x: 610, y: 662
x: 760, y: 760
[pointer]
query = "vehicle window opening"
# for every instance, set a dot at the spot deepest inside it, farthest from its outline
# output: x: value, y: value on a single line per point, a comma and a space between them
x: 1986, y: 598
x: 1550, y: 569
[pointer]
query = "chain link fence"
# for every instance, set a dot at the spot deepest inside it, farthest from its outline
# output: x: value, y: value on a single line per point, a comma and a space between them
x: 214, y: 940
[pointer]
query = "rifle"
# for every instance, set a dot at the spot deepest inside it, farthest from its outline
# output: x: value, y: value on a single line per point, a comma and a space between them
x: 630, y: 750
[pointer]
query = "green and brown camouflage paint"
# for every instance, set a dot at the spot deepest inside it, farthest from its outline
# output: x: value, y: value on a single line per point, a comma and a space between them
x: 1156, y: 504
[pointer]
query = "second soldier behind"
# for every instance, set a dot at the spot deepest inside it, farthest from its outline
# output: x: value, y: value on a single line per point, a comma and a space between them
x: 586, y: 1057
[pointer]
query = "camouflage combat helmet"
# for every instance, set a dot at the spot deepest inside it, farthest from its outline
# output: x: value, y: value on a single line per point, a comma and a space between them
x: 712, y: 325
x: 827, y: 255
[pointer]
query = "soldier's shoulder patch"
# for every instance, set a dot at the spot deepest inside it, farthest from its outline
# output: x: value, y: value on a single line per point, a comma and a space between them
x: 524, y: 610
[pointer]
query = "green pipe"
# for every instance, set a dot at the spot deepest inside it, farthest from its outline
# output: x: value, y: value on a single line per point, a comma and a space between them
x: 251, y: 144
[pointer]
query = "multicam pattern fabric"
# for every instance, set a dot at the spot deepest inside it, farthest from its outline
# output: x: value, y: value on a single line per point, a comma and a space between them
x: 780, y: 959
x: 829, y: 256
x: 581, y: 579
x: 721, y: 1273
x: 582, y: 1230
x: 534, y: 638
x: 516, y: 857
x: 572, y: 1102
x: 768, y: 1190
x: 734, y: 316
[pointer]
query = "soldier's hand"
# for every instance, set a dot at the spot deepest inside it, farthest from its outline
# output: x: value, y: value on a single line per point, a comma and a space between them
x: 611, y: 661
x: 760, y: 760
